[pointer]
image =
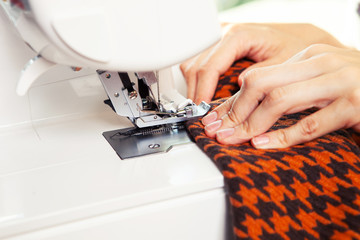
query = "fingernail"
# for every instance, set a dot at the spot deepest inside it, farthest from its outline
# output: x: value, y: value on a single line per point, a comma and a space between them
x: 210, y: 118
x: 260, y: 140
x: 212, y: 127
x: 224, y: 133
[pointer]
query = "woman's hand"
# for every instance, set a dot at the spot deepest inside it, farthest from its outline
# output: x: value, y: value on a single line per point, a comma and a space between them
x: 266, y: 44
x: 320, y: 76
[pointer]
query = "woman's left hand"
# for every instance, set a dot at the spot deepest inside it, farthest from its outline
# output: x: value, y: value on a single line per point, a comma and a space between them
x: 320, y: 76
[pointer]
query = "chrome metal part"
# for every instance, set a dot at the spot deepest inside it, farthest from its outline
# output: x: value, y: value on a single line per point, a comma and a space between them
x: 145, y: 109
x: 136, y: 142
x: 125, y: 103
x: 158, y: 120
x: 148, y: 77
x: 180, y: 116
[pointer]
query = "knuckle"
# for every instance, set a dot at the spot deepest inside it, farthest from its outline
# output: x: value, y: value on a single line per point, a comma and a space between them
x: 251, y: 77
x: 183, y: 67
x: 283, y: 137
x: 222, y: 109
x: 206, y: 70
x: 234, y: 117
x: 276, y: 96
x: 189, y: 74
x: 308, y: 127
x: 245, y: 82
x: 187, y: 70
x: 202, y: 70
x: 188, y: 64
x: 246, y: 127
x: 229, y: 102
x: 231, y: 29
x: 314, y: 49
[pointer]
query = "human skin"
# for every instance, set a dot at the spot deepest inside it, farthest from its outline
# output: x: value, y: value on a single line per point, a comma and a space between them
x: 323, y: 74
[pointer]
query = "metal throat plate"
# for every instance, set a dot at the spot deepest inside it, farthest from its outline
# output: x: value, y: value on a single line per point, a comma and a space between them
x: 135, y: 142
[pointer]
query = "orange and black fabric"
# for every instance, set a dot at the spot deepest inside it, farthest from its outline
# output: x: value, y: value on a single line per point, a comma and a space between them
x: 308, y: 191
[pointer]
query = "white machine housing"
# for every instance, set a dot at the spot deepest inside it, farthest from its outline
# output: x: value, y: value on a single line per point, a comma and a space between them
x: 138, y: 35
x: 119, y: 36
x: 59, y: 178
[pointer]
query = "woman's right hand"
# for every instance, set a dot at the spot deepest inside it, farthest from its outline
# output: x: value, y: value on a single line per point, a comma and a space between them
x: 266, y: 44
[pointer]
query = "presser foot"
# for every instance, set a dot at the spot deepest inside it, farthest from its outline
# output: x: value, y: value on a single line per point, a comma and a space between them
x: 136, y: 142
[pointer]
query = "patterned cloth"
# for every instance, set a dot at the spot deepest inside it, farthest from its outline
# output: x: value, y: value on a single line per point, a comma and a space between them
x: 309, y: 191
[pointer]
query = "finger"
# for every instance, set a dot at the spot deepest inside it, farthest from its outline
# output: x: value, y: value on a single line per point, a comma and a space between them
x: 328, y: 119
x: 283, y: 100
x: 269, y: 62
x: 312, y: 51
x: 264, y: 80
x: 230, y: 49
x: 235, y: 111
x: 189, y: 70
x: 224, y: 108
x: 190, y: 67
x: 229, y: 111
x: 219, y: 111
x: 212, y: 121
x: 260, y: 81
x: 218, y: 61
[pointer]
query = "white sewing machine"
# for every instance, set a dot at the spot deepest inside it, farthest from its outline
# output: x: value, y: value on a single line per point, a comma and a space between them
x: 131, y: 45
x: 59, y: 177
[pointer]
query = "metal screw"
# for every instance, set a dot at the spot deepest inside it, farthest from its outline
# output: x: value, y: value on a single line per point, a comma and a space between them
x: 133, y: 95
x: 154, y: 146
x: 116, y: 94
x: 108, y: 75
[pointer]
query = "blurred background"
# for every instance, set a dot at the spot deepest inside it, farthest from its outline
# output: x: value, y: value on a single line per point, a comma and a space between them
x: 226, y: 4
x: 339, y: 17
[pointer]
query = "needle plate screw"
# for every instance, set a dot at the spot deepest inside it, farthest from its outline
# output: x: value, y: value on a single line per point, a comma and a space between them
x: 154, y: 146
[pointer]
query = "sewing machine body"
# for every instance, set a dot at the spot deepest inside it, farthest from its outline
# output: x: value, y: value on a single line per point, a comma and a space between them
x: 113, y: 35
x: 116, y: 38
x: 60, y: 179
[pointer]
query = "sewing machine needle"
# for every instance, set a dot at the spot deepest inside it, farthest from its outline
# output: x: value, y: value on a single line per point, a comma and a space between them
x: 158, y: 89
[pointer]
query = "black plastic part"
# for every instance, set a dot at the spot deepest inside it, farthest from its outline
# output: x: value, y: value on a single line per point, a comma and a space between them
x: 143, y: 89
x: 126, y: 81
